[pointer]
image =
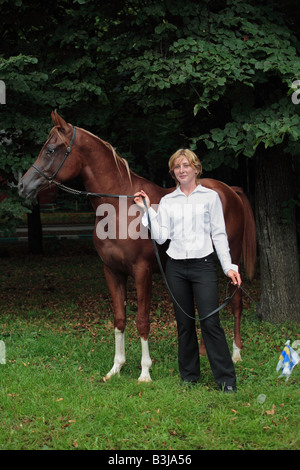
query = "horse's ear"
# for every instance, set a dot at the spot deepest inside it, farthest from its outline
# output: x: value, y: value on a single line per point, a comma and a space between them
x: 59, y: 121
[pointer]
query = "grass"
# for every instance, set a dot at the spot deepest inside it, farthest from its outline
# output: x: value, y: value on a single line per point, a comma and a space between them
x: 56, y: 322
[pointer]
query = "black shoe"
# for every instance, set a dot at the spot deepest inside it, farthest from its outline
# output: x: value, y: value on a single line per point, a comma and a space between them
x: 229, y: 389
x: 189, y: 383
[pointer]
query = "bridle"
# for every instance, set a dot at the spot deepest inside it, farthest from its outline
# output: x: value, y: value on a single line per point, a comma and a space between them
x: 51, y: 179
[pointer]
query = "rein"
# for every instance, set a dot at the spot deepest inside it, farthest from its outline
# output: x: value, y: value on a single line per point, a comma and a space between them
x: 51, y: 179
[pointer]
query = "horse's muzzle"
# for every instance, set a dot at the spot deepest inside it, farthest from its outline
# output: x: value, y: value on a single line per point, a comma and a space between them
x: 27, y: 191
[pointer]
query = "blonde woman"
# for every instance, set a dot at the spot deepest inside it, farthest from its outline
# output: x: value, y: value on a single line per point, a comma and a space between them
x: 191, y: 217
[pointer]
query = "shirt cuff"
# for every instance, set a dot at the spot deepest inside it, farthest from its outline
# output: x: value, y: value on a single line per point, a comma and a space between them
x: 234, y: 267
x: 152, y: 214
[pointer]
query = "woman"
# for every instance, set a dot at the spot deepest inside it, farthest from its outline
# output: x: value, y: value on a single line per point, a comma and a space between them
x: 191, y: 217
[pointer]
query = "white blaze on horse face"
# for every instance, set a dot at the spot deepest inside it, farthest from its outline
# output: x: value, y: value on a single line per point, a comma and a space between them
x: 146, y: 362
x: 119, y: 359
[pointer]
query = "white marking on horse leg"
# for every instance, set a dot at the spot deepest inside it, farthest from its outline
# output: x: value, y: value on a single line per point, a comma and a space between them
x: 146, y: 362
x: 119, y: 359
x: 236, y: 354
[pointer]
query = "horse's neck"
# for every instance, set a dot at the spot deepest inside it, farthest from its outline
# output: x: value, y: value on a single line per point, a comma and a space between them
x: 102, y: 172
x: 105, y: 173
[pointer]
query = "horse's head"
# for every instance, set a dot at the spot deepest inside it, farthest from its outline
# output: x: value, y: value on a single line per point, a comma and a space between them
x: 52, y: 163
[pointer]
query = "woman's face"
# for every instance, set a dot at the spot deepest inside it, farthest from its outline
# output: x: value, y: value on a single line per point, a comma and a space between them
x: 184, y: 172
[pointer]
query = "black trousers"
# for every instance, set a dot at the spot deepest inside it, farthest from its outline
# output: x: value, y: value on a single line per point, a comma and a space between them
x: 194, y: 281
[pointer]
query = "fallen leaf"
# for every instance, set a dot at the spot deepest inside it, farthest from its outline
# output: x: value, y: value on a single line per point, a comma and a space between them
x: 272, y: 411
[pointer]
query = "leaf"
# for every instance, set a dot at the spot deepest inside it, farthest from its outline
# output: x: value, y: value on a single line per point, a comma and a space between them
x: 271, y: 412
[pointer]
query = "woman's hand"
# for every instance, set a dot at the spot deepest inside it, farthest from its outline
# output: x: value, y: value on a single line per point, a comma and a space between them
x: 138, y: 199
x: 235, y: 277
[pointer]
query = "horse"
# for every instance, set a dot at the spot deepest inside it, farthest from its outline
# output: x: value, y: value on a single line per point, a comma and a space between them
x: 125, y: 249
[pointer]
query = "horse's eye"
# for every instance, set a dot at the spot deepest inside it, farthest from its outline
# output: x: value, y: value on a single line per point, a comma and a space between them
x: 50, y: 150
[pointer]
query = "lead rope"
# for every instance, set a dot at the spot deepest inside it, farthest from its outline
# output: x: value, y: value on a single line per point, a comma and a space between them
x: 258, y: 308
x: 77, y: 192
x: 226, y: 301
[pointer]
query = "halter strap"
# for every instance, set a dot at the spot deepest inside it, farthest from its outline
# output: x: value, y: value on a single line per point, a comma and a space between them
x: 69, y: 148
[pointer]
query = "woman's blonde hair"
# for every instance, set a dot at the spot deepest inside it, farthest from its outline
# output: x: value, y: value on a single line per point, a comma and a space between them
x: 191, y: 157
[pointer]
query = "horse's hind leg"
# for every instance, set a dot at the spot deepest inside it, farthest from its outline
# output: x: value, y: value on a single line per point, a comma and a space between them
x: 237, y: 308
x: 117, y: 286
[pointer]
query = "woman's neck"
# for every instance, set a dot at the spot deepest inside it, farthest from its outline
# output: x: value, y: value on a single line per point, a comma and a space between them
x: 187, y: 189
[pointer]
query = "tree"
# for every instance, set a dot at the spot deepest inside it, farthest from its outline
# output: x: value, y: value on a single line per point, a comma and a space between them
x: 46, y: 62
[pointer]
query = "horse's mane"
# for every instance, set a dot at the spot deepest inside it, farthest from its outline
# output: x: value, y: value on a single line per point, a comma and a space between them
x: 118, y: 160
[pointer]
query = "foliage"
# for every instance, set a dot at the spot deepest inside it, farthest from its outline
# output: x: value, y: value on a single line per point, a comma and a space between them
x: 233, y: 62
x: 136, y: 72
x: 55, y: 69
x: 118, y: 69
x: 10, y: 215
x: 57, y: 328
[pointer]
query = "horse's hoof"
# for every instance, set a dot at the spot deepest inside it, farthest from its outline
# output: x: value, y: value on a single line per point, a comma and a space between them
x: 144, y: 380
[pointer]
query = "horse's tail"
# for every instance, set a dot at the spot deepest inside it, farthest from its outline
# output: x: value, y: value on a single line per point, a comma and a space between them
x: 249, y: 239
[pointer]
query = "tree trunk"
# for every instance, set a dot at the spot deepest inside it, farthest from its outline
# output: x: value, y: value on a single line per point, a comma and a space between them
x: 35, y: 232
x: 277, y: 241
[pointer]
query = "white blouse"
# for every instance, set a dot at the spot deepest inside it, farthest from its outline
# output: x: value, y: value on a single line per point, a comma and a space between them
x: 194, y: 225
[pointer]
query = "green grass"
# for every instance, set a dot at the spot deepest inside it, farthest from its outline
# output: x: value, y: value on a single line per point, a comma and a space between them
x: 56, y: 322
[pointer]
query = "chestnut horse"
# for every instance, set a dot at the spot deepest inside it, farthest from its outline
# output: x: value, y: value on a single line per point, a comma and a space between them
x: 120, y: 240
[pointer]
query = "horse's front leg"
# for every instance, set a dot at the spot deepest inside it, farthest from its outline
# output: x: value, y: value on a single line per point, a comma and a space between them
x: 117, y: 286
x: 146, y: 362
x: 143, y: 282
x: 119, y: 359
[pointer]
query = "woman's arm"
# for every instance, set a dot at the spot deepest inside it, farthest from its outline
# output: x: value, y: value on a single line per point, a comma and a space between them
x: 159, y: 220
